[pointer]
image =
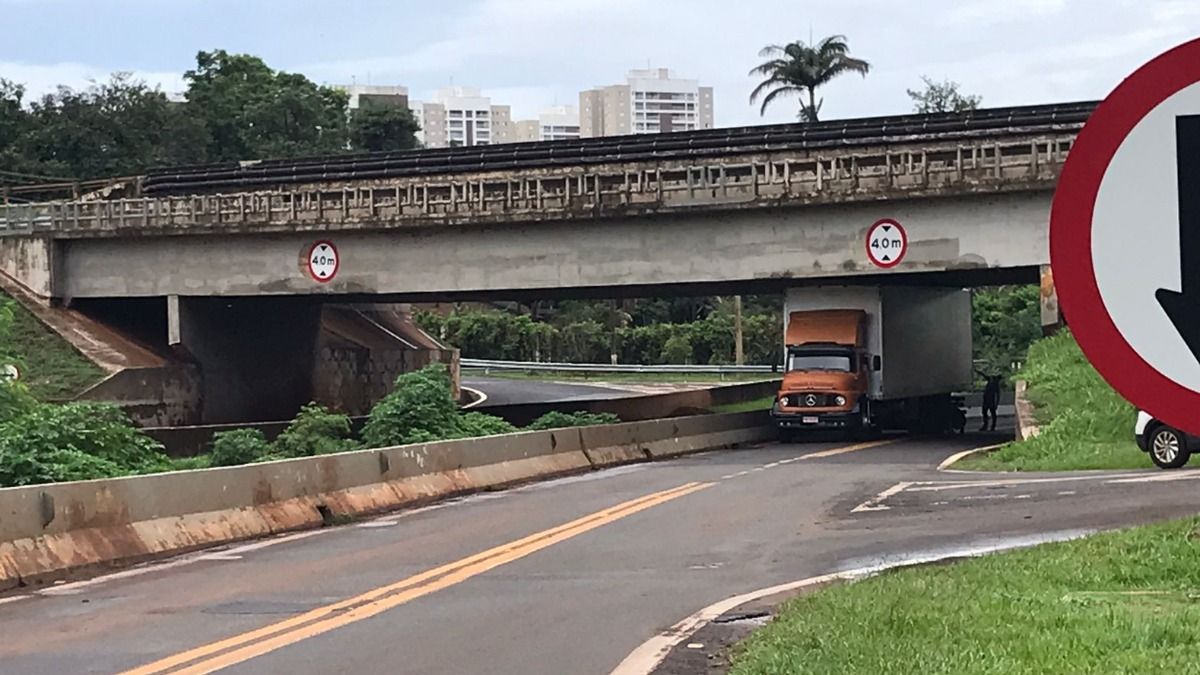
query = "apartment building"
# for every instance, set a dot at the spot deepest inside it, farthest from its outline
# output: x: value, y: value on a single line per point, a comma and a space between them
x: 553, y: 124
x: 368, y: 94
x: 462, y: 116
x: 651, y: 101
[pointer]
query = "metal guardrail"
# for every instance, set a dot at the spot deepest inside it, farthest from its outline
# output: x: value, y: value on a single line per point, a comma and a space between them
x: 484, y: 364
x: 763, y: 180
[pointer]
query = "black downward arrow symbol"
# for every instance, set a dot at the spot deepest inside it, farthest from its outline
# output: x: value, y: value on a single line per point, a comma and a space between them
x: 1183, y: 306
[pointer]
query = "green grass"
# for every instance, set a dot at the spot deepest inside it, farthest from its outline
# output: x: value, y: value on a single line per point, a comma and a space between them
x: 52, y: 368
x: 763, y: 403
x: 1084, y: 423
x: 1122, y: 602
x: 649, y: 378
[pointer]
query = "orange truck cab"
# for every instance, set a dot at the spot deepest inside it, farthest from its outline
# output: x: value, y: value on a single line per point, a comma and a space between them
x: 827, y: 371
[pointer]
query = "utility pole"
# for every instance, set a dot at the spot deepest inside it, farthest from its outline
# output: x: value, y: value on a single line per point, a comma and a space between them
x: 739, y: 354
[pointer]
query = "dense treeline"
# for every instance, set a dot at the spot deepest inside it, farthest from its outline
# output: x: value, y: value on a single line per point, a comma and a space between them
x: 696, y: 330
x: 688, y: 330
x: 236, y: 107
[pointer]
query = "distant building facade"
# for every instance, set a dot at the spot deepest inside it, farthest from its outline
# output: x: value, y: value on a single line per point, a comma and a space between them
x: 556, y: 123
x: 651, y: 101
x: 368, y: 94
x: 462, y: 116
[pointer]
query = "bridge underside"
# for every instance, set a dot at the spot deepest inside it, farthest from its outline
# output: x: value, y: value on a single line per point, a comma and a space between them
x: 966, y: 239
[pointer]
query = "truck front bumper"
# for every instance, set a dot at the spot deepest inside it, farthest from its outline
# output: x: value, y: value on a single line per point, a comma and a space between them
x: 817, y: 420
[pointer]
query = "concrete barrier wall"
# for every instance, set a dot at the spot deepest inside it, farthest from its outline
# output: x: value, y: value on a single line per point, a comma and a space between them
x: 189, y: 441
x: 636, y: 408
x: 49, y: 530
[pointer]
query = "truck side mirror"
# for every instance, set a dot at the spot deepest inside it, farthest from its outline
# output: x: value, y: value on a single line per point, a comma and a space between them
x: 877, y: 363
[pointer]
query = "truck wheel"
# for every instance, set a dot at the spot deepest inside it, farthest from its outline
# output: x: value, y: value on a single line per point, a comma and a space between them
x: 1168, y: 450
x: 787, y: 436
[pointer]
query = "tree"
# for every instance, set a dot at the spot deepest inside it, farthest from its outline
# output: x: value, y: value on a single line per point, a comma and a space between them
x: 119, y: 127
x: 251, y: 111
x: 1007, y: 319
x: 941, y: 96
x: 14, y: 124
x: 379, y: 127
x: 800, y: 68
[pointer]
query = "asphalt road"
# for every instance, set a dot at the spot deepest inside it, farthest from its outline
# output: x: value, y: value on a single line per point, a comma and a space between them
x: 567, y: 576
x: 503, y: 391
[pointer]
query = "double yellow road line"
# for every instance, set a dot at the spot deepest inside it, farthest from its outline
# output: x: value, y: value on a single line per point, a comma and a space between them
x: 224, y: 653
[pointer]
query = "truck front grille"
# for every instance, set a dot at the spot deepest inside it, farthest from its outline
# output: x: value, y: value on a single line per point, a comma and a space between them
x: 811, y: 400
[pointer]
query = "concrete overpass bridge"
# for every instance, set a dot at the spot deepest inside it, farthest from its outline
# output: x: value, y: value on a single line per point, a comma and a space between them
x: 759, y: 208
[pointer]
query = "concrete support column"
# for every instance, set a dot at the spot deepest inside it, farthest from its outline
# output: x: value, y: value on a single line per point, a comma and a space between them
x: 1051, y: 315
x: 255, y: 355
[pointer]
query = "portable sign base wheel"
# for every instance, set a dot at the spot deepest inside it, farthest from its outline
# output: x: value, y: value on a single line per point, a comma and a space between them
x: 1125, y: 238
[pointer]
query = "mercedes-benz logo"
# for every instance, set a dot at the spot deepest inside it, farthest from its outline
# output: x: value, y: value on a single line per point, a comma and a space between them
x: 810, y: 400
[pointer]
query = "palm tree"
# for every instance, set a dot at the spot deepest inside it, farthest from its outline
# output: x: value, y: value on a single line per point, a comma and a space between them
x: 798, y: 68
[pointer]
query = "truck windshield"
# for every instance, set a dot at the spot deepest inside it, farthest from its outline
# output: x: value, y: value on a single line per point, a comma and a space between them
x: 839, y: 362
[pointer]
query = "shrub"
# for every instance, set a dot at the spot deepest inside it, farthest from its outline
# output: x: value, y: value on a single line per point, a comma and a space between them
x: 315, y: 431
x: 559, y: 420
x: 74, y: 441
x: 421, y: 408
x: 240, y: 446
x: 474, y: 424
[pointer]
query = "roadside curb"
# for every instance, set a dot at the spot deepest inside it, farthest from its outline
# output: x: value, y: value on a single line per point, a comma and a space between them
x: 957, y: 457
x: 1027, y: 428
x: 650, y: 655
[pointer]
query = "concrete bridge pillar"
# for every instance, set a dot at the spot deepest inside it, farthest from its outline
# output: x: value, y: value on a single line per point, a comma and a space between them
x: 255, y: 355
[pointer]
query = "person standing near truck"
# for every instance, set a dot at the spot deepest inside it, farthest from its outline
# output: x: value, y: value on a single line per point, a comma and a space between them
x: 991, y: 401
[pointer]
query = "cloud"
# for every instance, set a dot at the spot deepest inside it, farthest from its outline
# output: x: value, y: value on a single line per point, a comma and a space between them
x: 991, y: 12
x: 42, y: 79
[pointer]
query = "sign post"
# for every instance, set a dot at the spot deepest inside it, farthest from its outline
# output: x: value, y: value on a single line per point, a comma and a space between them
x: 1125, y: 238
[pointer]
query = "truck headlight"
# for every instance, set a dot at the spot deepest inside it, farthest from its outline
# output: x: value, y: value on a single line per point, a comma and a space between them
x: 839, y: 400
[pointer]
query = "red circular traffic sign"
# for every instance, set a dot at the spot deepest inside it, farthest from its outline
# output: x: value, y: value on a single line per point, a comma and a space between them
x: 886, y: 243
x: 1120, y: 200
x: 323, y: 261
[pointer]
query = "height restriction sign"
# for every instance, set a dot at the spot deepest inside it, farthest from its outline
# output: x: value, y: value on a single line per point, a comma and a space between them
x: 1125, y: 238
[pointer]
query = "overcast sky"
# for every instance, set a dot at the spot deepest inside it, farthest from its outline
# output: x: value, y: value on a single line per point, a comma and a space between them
x: 534, y: 53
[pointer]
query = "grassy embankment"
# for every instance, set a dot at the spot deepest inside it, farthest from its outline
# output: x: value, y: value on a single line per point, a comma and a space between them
x: 1084, y: 423
x: 1121, y: 602
x: 50, y: 368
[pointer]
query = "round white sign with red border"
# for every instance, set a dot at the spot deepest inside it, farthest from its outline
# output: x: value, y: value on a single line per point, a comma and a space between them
x: 323, y: 261
x: 887, y: 242
x: 1125, y: 238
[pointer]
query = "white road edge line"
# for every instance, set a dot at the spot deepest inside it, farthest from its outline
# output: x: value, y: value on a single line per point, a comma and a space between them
x: 1160, y: 477
x: 876, y: 503
x: 651, y: 653
x: 76, y: 587
x: 479, y: 401
x: 958, y: 456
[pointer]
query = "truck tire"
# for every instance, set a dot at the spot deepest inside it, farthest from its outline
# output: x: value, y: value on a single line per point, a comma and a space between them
x: 787, y: 436
x: 1168, y: 448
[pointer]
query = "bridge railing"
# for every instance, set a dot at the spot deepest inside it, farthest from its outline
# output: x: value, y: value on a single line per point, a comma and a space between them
x: 769, y: 178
